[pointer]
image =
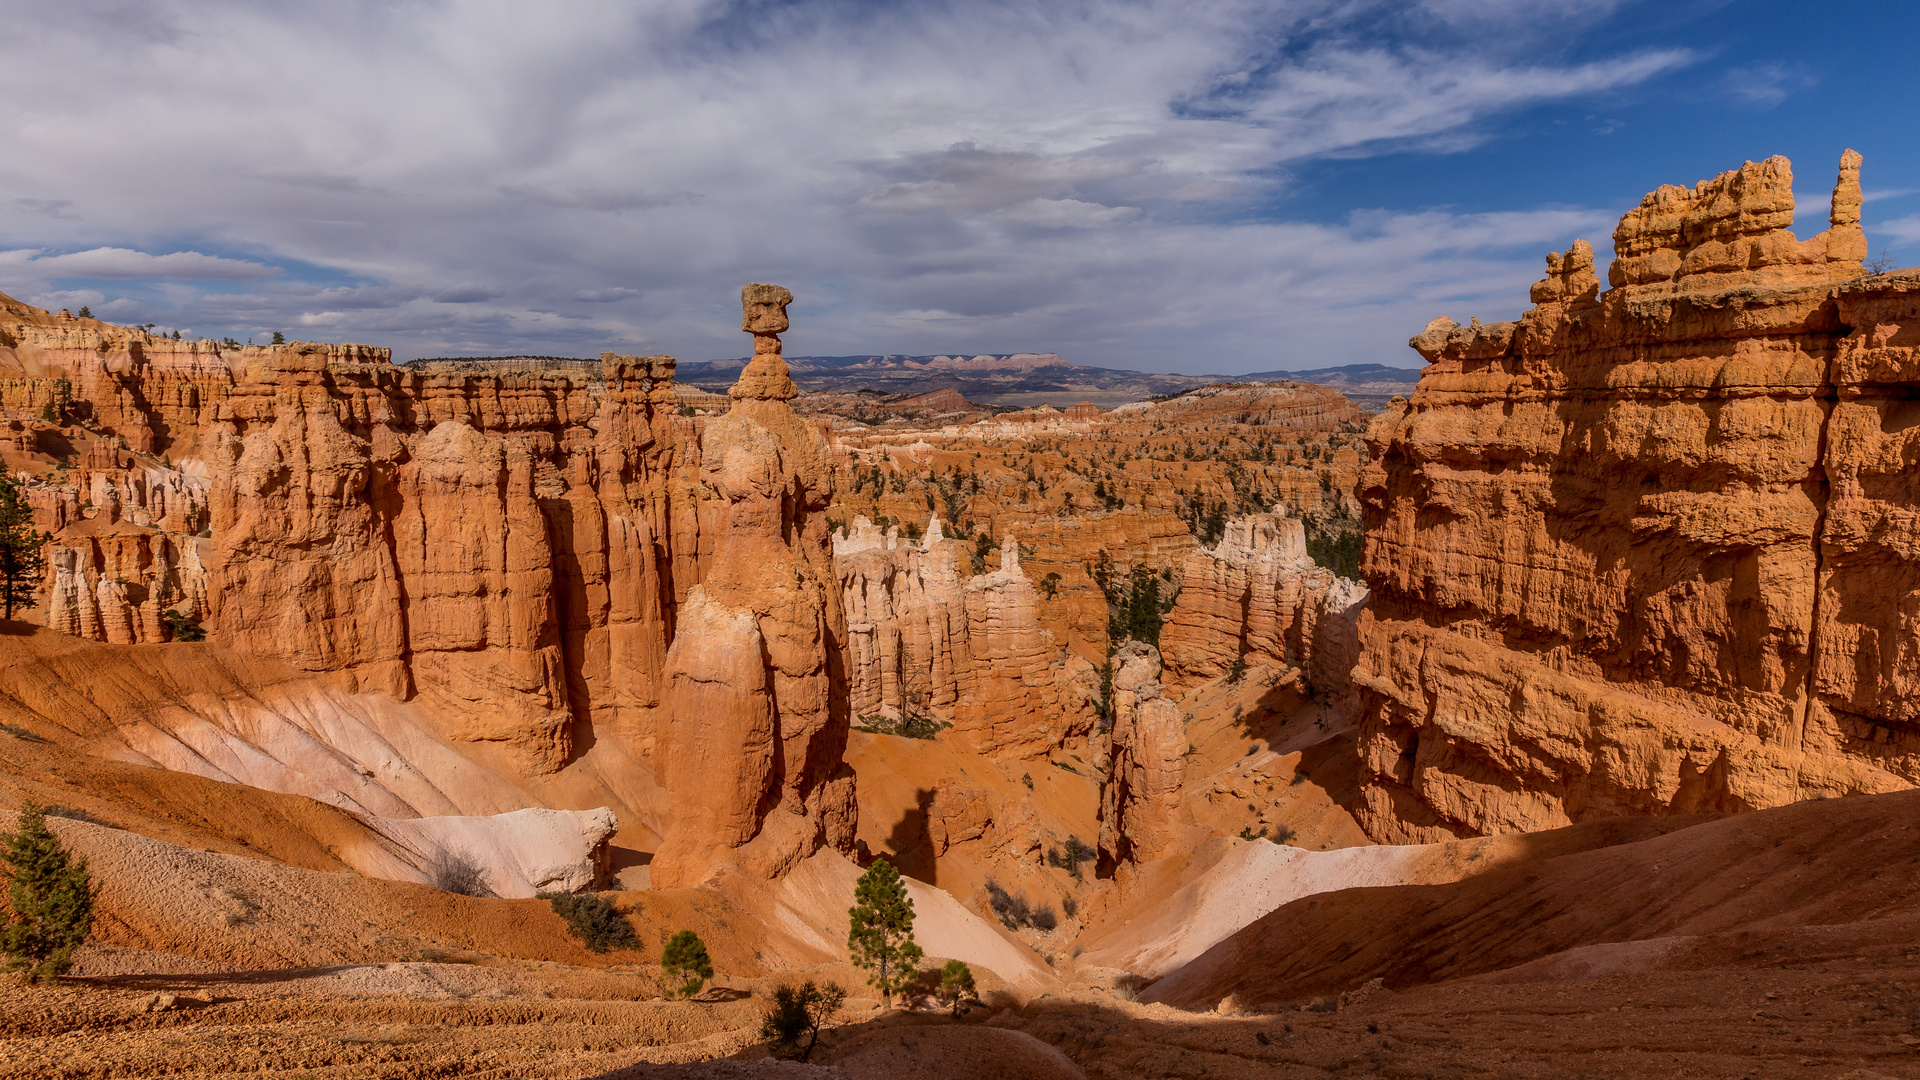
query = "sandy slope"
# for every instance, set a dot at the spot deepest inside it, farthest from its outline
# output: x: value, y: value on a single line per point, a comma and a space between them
x: 1822, y: 862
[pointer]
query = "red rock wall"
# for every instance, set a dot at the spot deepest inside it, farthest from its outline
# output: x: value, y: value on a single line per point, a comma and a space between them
x: 1637, y: 552
x: 1257, y: 597
x: 927, y: 635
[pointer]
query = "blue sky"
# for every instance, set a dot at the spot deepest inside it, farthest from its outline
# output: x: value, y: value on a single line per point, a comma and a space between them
x: 1208, y: 185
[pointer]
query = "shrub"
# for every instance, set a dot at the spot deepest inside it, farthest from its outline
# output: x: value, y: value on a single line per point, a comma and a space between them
x: 909, y: 724
x: 1015, y: 912
x: 181, y: 628
x: 684, y: 964
x: 51, y: 897
x: 455, y: 873
x: 1070, y: 856
x: 956, y: 986
x: 594, y: 920
x: 881, y: 937
x: 800, y: 1010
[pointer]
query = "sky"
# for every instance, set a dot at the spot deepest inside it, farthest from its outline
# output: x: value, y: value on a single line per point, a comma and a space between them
x: 1167, y: 185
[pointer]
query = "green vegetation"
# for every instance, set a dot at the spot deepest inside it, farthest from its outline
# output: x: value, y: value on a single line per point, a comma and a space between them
x: 684, y: 964
x: 1070, y: 856
x: 181, y: 628
x: 881, y: 938
x: 1135, y: 604
x: 22, y: 561
x: 51, y: 897
x: 1335, y: 543
x: 594, y: 920
x: 956, y: 986
x: 800, y: 1010
x: 909, y: 724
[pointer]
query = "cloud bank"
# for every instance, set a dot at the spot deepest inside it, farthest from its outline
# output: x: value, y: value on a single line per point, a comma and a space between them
x: 1106, y: 180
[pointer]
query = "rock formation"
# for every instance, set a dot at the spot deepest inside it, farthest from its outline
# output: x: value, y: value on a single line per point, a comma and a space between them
x: 1641, y: 551
x: 756, y: 709
x: 925, y: 635
x: 1141, y: 804
x: 539, y: 549
x: 1257, y: 598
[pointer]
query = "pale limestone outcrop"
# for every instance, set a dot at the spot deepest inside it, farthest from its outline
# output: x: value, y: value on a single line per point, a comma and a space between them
x: 1637, y: 552
x: 1141, y: 804
x: 1257, y: 598
x: 516, y: 854
x: 756, y: 724
x: 927, y: 635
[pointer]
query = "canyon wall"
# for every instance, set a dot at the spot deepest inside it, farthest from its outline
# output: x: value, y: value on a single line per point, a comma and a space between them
x: 926, y: 635
x: 1257, y: 598
x: 514, y: 542
x: 1645, y: 551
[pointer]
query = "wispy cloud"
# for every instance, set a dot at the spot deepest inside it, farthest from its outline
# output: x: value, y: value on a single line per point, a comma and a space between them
x: 113, y: 262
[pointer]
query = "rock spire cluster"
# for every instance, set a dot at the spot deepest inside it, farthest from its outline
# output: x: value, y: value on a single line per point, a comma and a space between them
x: 1640, y: 551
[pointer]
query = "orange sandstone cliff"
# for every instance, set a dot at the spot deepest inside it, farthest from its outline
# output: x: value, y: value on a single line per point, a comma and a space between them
x: 520, y: 545
x: 1642, y: 551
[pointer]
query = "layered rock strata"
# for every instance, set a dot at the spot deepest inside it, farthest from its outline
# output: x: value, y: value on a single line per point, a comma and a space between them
x: 545, y: 551
x: 1640, y: 552
x: 927, y: 636
x: 752, y: 752
x: 1142, y: 801
x: 1257, y: 598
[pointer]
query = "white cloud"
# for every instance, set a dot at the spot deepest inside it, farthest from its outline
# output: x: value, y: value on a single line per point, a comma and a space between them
x: 113, y: 262
x: 1094, y: 177
x: 1904, y: 229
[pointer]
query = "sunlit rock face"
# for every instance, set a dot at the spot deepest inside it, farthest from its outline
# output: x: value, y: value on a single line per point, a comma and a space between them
x: 928, y: 636
x: 751, y: 752
x: 1638, y: 552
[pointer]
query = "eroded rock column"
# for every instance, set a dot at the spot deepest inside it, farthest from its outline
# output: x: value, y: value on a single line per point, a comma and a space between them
x: 751, y: 750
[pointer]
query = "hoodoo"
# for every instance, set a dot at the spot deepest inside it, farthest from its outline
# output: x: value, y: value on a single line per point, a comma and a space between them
x: 756, y: 698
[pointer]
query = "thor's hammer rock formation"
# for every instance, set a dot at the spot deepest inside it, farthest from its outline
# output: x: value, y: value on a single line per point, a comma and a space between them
x: 756, y: 702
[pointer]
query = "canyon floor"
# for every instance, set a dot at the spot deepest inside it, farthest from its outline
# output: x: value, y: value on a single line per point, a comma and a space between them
x: 1825, y: 1001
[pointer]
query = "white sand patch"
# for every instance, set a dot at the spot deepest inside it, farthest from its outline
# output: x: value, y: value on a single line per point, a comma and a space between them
x: 1253, y: 879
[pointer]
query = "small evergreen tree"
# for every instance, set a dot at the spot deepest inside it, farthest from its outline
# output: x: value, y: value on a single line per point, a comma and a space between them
x: 684, y: 964
x: 85, y: 312
x: 800, y: 1010
x: 51, y: 897
x: 956, y: 986
x: 22, y: 558
x: 881, y: 939
x: 279, y: 338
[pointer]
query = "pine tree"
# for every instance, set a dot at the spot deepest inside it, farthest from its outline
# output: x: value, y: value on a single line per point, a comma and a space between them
x: 22, y: 561
x: 86, y: 312
x: 279, y: 338
x: 881, y: 939
x: 956, y: 986
x: 684, y: 964
x: 51, y: 897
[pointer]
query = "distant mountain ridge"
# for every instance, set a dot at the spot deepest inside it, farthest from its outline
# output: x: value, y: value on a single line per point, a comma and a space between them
x: 1020, y: 380
x: 1027, y: 379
